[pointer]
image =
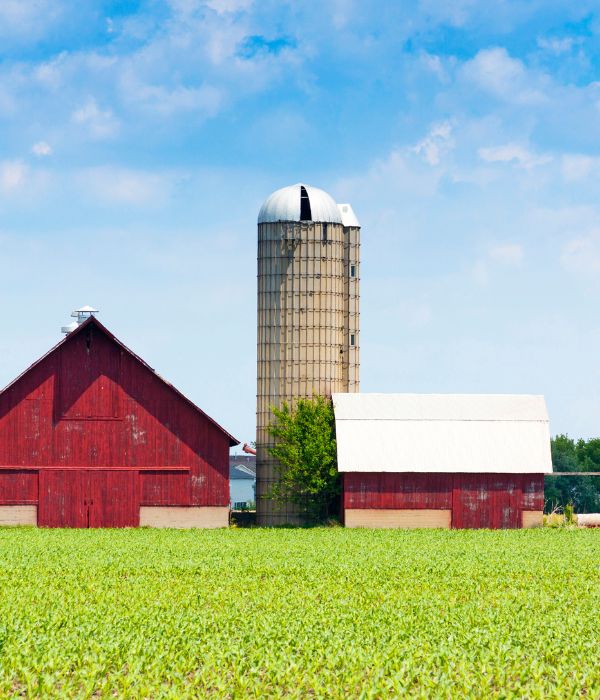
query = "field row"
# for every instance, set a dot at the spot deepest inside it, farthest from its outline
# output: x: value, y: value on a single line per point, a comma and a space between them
x: 297, y: 613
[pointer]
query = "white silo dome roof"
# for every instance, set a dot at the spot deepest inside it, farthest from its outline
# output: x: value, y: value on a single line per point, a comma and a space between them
x: 284, y: 205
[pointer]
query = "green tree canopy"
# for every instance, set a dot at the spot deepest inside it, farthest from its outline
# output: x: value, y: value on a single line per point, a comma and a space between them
x: 305, y: 449
x: 582, y: 491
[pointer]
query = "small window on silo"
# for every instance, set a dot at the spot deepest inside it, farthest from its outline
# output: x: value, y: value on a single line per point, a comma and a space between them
x: 324, y: 233
x: 352, y: 270
x: 352, y: 339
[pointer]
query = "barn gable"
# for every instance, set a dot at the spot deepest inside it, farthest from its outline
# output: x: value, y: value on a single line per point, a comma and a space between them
x: 92, y: 404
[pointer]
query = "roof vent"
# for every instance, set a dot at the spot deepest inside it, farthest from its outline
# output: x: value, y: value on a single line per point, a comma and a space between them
x: 80, y: 315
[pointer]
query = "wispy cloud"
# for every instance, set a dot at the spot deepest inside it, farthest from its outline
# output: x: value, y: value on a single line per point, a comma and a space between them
x: 502, y: 255
x: 12, y: 175
x: 508, y: 254
x: 223, y: 6
x: 558, y: 45
x: 581, y: 254
x: 504, y: 77
x: 437, y: 142
x: 576, y: 166
x: 512, y: 153
x: 126, y: 186
x: 28, y: 19
x: 41, y: 149
x: 99, y: 123
x: 205, y: 100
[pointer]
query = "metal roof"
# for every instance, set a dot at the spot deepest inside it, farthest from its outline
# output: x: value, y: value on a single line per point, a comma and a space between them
x: 242, y: 467
x: 284, y: 205
x: 348, y: 216
x: 495, y: 433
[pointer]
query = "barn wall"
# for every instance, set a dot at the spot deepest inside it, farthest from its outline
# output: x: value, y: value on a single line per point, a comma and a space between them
x: 475, y: 500
x: 394, y: 490
x: 90, y: 404
x: 18, y: 486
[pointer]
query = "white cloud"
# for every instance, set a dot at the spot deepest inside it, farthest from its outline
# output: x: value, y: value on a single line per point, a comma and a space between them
x: 12, y: 175
x: 189, y: 8
x: 456, y: 13
x: 505, y: 254
x: 512, y: 152
x: 509, y: 254
x: 124, y: 186
x: 437, y: 142
x: 434, y: 64
x: 480, y: 272
x: 41, y: 148
x: 224, y: 6
x: 577, y: 167
x: 205, y: 99
x: 101, y: 124
x: 557, y: 46
x: 28, y: 18
x: 50, y: 73
x: 418, y: 313
x: 502, y: 76
x: 582, y: 253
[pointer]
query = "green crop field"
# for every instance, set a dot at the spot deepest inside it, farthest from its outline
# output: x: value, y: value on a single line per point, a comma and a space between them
x: 299, y: 613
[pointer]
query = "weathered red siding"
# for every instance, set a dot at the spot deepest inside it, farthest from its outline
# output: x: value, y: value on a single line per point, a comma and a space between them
x: 476, y: 500
x: 91, y: 403
x: 395, y: 490
x: 18, y: 487
x: 165, y: 488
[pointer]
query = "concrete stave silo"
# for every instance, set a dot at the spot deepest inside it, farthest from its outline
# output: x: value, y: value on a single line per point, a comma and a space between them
x: 308, y: 314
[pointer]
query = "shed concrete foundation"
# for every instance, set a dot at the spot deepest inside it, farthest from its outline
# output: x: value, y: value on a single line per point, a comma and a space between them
x: 533, y: 518
x: 183, y: 517
x: 18, y: 515
x: 401, y: 518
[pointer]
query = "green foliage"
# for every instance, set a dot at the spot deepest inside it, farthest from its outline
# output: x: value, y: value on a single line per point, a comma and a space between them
x: 305, y: 450
x: 569, y: 514
x: 302, y: 613
x: 582, y: 492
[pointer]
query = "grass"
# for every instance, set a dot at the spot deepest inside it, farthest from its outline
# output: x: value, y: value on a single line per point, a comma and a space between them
x: 299, y: 613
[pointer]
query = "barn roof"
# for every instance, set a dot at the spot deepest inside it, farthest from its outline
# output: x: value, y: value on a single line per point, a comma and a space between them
x: 496, y: 433
x: 92, y: 320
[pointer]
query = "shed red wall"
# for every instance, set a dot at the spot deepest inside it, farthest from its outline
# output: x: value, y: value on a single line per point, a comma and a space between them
x: 91, y: 404
x: 476, y: 500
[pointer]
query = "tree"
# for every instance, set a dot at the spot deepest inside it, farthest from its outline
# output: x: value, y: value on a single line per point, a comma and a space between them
x: 305, y: 450
x: 582, y: 491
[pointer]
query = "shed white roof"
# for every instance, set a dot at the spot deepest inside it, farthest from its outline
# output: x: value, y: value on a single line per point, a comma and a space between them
x: 284, y: 205
x: 494, y: 433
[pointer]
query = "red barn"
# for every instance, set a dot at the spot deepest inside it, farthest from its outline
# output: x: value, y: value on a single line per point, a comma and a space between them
x: 442, y: 460
x: 91, y: 436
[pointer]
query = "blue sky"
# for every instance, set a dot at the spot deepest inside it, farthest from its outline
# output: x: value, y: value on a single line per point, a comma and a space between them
x: 138, y: 140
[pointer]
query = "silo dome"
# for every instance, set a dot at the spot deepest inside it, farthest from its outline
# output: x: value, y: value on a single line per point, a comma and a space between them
x: 299, y: 203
